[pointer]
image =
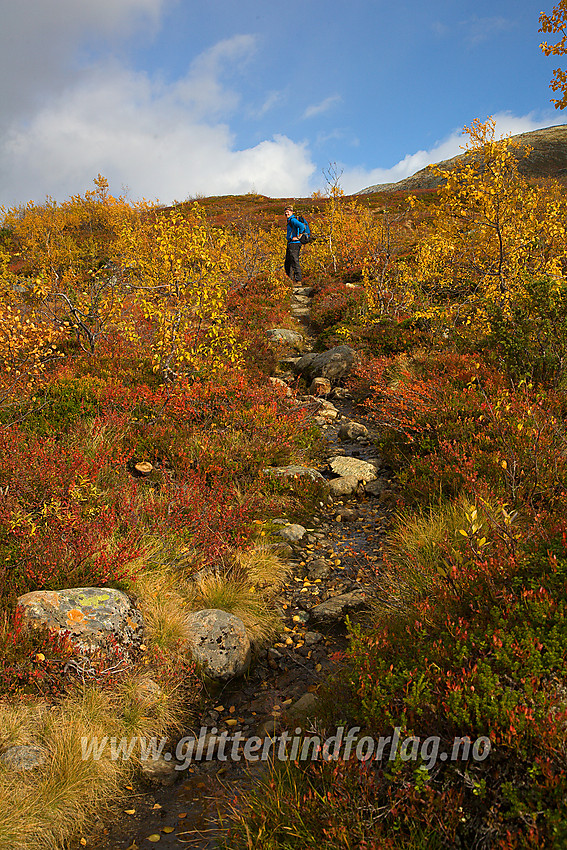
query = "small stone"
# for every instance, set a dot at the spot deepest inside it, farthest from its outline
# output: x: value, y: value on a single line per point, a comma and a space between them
x: 293, y: 533
x: 305, y: 705
x: 23, y: 757
x: 319, y: 569
x: 352, y: 431
x: 336, y: 608
x: 346, y: 485
x: 320, y: 386
x: 159, y: 771
x: 144, y: 467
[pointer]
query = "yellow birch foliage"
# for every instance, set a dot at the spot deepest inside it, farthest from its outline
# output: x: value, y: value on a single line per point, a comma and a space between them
x: 179, y: 278
x: 67, y: 262
x: 489, y: 230
x: 26, y: 344
x: 556, y: 24
x: 252, y: 253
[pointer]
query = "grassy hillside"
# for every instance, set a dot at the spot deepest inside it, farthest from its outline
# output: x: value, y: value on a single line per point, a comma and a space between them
x: 138, y: 334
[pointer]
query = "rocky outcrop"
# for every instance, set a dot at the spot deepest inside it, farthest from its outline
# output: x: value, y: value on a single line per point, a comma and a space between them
x: 92, y: 618
x: 218, y: 642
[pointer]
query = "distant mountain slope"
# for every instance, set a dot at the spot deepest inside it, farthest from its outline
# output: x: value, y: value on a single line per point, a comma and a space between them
x: 547, y: 159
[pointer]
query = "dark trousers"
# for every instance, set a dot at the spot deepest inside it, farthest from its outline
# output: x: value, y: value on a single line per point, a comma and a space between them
x: 291, y: 264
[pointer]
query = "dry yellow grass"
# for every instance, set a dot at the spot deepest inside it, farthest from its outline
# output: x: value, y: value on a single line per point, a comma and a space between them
x: 48, y: 806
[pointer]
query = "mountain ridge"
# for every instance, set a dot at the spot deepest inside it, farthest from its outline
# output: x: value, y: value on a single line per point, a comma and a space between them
x: 548, y: 158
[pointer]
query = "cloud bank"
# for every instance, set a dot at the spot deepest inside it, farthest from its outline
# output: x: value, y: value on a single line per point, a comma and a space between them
x: 162, y: 141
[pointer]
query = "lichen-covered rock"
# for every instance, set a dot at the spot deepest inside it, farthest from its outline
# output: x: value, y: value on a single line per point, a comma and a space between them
x: 93, y: 618
x: 218, y: 643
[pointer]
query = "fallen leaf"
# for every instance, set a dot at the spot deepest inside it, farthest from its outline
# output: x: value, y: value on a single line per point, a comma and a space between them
x: 168, y: 829
x: 182, y: 815
x: 129, y: 811
x: 156, y: 806
x: 154, y: 838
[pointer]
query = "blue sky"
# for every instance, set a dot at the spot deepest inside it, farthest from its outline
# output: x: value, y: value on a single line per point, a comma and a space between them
x: 170, y: 99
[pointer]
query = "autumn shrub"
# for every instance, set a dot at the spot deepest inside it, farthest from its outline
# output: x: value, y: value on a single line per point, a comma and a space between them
x: 340, y: 804
x: 335, y: 303
x: 491, y: 634
x: 529, y: 339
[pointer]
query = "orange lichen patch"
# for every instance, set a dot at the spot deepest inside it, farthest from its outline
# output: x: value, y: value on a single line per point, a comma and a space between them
x: 48, y: 597
x: 75, y: 616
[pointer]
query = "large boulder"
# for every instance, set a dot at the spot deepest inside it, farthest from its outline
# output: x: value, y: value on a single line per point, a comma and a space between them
x: 92, y: 618
x: 334, y: 364
x: 218, y: 643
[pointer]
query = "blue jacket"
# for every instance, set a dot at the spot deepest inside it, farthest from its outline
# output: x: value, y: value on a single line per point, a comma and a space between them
x: 294, y: 228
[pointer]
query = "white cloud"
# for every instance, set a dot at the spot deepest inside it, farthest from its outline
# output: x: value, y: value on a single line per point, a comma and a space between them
x: 67, y: 115
x: 324, y: 106
x: 40, y: 42
x: 356, y: 179
x: 162, y: 141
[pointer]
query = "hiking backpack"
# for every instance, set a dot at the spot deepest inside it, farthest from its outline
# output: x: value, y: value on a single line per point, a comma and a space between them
x: 305, y: 237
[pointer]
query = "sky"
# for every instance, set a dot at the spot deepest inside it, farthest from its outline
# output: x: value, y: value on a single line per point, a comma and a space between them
x: 176, y: 99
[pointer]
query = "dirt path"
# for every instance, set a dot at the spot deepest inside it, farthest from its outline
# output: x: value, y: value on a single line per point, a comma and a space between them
x: 341, y: 547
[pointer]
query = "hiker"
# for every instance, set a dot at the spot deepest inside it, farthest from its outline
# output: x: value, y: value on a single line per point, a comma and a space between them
x: 294, y: 230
